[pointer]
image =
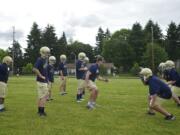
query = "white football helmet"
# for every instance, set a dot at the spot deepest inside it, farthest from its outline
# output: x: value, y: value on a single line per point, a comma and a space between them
x: 86, y: 60
x: 170, y: 64
x: 52, y: 60
x: 8, y: 60
x: 45, y: 52
x: 63, y: 57
x: 147, y: 72
x: 162, y: 66
x: 81, y: 56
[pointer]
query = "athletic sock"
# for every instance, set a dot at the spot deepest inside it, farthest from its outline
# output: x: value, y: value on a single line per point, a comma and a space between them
x: 77, y: 97
x: 41, y: 109
x: 1, y: 106
x: 80, y: 96
x: 89, y: 103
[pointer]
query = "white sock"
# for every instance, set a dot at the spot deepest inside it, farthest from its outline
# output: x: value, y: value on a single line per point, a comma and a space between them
x: 89, y: 103
x: 1, y: 106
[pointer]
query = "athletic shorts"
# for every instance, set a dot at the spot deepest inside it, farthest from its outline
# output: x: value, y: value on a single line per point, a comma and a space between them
x: 63, y: 82
x: 49, y: 85
x: 42, y: 89
x: 81, y: 84
x: 90, y: 85
x: 3, y: 89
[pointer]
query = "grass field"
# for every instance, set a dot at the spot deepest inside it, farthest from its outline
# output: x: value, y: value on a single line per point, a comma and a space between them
x: 122, y: 111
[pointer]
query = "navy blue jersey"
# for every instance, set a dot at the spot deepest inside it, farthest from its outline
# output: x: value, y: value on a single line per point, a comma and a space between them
x: 41, y: 64
x: 174, y: 76
x: 158, y: 87
x: 80, y: 73
x: 166, y: 75
x: 50, y: 70
x: 4, y: 73
x: 63, y: 68
x: 94, y: 69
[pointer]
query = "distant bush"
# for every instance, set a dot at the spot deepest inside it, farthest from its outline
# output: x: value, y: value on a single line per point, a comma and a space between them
x: 27, y: 69
x: 103, y: 70
x: 135, y: 69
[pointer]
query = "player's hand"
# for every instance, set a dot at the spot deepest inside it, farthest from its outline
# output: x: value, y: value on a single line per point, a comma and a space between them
x: 62, y: 77
x: 85, y: 68
x: 43, y: 77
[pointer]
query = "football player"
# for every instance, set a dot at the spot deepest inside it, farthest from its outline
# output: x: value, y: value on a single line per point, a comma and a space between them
x: 173, y: 77
x: 50, y: 68
x: 158, y: 90
x: 4, y: 74
x: 90, y: 78
x: 63, y: 74
x: 80, y: 71
x: 40, y: 69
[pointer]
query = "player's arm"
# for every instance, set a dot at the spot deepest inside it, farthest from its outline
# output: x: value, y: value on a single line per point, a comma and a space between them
x: 87, y: 76
x: 36, y: 71
x: 171, y: 82
x: 100, y: 78
x: 83, y: 69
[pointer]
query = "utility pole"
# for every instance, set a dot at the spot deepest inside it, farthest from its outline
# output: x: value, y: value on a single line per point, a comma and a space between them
x: 72, y: 53
x: 152, y: 48
x: 13, y: 49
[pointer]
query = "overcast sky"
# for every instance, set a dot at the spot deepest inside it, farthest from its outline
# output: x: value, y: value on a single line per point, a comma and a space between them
x: 80, y: 19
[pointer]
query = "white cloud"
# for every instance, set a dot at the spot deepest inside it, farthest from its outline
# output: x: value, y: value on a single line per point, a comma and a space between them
x: 80, y: 19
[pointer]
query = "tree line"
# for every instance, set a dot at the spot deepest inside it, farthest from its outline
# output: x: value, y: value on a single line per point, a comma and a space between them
x: 126, y: 48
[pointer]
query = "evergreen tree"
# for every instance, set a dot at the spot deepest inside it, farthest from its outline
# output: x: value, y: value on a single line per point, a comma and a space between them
x: 100, y: 38
x: 136, y: 40
x: 49, y: 39
x: 18, y: 56
x: 33, y: 44
x: 172, y: 47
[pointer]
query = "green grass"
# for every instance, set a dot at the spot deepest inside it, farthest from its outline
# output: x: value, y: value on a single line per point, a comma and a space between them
x: 122, y: 112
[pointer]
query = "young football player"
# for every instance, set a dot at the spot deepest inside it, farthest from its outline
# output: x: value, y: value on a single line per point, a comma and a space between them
x: 161, y: 69
x: 90, y: 77
x: 50, y: 68
x: 165, y: 70
x: 40, y: 69
x: 86, y: 61
x: 173, y: 77
x: 80, y: 71
x: 63, y: 74
x: 158, y: 90
x: 4, y: 74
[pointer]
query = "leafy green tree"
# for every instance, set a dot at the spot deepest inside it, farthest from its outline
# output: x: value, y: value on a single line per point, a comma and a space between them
x: 34, y: 43
x: 135, y: 69
x: 18, y: 56
x: 119, y: 52
x: 76, y: 47
x: 122, y: 34
x: 159, y: 56
x: 2, y: 54
x: 27, y: 69
x: 136, y: 40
